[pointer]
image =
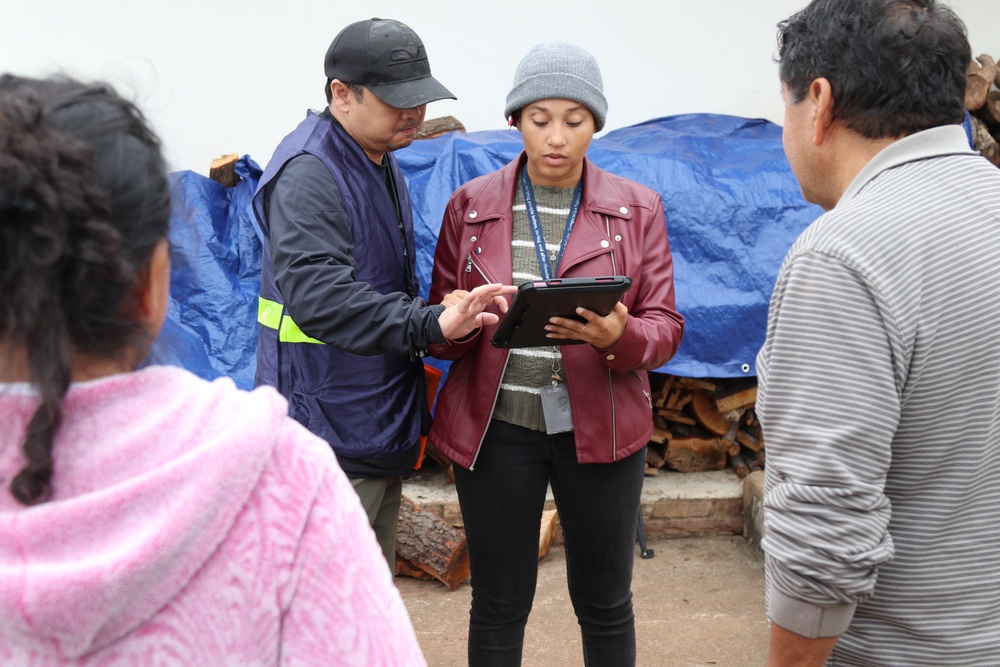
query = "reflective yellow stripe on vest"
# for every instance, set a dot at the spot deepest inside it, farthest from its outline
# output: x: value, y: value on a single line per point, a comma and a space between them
x: 269, y: 314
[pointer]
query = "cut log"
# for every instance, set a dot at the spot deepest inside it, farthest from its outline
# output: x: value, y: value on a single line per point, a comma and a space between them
x: 749, y: 432
x: 740, y: 466
x: 656, y: 455
x: 435, y: 127
x: 671, y: 403
x: 696, y: 454
x: 736, y: 395
x: 661, y: 395
x: 426, y: 543
x: 659, y: 436
x: 676, y: 416
x: 694, y: 383
x: 678, y: 430
x: 222, y: 170
x: 751, y: 442
x: 729, y: 439
x: 707, y: 413
x: 978, y: 80
x: 660, y: 424
x: 547, y: 532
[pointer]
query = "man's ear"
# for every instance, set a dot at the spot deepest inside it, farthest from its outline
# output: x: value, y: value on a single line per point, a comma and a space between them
x: 340, y: 95
x: 154, y: 289
x: 821, y: 97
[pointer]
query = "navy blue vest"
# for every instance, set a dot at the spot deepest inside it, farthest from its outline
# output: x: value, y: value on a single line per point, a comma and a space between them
x: 364, y: 406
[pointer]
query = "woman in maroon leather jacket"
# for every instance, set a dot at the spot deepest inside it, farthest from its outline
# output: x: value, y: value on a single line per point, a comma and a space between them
x: 551, y: 213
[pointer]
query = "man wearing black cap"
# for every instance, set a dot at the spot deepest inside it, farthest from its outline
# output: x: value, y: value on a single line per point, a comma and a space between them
x: 341, y: 328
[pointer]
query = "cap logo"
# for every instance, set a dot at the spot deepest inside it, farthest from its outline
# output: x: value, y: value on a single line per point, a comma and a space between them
x: 407, y: 54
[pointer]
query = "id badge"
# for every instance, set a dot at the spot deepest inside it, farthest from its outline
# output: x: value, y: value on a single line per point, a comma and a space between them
x: 555, y: 408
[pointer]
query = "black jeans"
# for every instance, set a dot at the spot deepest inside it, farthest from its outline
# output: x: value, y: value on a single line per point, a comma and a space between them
x: 502, y: 501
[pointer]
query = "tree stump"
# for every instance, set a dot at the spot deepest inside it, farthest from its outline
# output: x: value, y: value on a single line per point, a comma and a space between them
x: 425, y: 543
x: 222, y: 170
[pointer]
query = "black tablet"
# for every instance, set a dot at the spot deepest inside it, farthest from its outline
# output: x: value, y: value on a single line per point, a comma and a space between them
x: 538, y: 300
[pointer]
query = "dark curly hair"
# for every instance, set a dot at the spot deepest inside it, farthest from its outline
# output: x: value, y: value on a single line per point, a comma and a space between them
x: 895, y: 66
x: 84, y: 200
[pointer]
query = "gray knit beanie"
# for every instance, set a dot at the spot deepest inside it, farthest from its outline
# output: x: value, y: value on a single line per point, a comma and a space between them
x: 558, y: 70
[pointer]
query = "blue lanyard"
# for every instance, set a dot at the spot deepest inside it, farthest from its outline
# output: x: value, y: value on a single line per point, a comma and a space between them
x: 536, y: 224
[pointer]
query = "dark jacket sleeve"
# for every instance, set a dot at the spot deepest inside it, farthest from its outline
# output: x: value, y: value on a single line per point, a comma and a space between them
x: 312, y: 250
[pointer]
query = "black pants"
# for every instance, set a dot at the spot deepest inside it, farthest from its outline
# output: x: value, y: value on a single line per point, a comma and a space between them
x: 502, y: 501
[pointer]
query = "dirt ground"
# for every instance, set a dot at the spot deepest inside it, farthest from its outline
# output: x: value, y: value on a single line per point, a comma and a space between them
x: 698, y: 601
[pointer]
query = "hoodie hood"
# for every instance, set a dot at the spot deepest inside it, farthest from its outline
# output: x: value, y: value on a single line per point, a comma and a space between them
x: 151, y: 469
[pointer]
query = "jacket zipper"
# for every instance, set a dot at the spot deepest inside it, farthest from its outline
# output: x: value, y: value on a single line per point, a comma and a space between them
x: 611, y: 387
x: 493, y: 406
x: 607, y: 230
x: 614, y: 420
x: 469, y: 263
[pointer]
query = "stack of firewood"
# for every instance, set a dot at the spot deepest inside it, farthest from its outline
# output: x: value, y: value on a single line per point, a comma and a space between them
x: 982, y: 99
x: 702, y: 425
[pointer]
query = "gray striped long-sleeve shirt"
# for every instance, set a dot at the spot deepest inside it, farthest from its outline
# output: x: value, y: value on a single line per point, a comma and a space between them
x: 880, y: 403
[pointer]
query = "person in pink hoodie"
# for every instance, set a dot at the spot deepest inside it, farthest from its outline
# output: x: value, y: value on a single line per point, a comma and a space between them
x: 148, y: 516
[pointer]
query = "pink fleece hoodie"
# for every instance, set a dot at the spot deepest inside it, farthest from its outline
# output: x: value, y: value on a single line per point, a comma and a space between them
x: 190, y: 524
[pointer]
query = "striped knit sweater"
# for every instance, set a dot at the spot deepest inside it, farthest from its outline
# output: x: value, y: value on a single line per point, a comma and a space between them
x: 519, y: 401
x: 880, y: 403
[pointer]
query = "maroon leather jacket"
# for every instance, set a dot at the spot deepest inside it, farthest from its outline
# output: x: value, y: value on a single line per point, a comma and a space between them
x: 620, y: 230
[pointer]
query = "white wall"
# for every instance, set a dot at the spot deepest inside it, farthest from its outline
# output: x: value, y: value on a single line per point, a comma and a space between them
x: 229, y: 77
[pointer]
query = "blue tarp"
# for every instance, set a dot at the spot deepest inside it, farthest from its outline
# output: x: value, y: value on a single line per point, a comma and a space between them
x: 732, y: 206
x: 211, y: 326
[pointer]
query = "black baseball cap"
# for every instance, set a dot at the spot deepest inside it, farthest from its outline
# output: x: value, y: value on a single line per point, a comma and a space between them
x: 389, y: 59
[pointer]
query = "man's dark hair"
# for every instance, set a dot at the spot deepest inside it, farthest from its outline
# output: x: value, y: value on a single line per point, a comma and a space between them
x: 895, y: 66
x: 356, y: 88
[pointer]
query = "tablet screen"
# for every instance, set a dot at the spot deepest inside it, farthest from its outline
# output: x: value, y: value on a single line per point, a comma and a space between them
x: 537, y: 301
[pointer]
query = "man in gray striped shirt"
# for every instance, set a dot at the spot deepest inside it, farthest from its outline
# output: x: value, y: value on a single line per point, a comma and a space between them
x: 880, y: 376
